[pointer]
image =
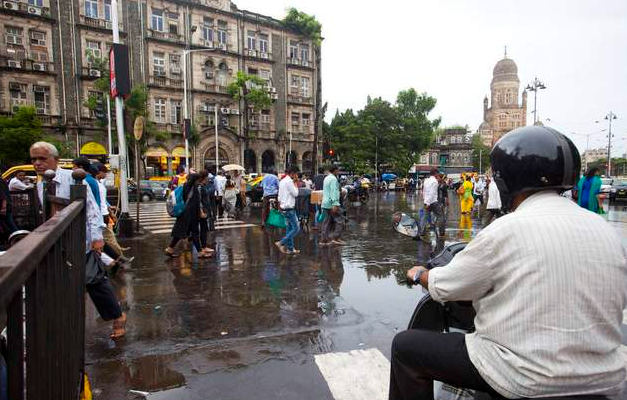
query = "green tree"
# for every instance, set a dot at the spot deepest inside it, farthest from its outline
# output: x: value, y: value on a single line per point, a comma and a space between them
x: 17, y: 133
x: 304, y: 24
x: 480, y: 154
x: 253, y: 91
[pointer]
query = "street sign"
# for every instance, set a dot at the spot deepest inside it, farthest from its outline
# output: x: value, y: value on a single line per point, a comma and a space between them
x: 138, y: 128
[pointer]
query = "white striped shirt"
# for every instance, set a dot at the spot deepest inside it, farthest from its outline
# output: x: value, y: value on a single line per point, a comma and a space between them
x: 549, y: 284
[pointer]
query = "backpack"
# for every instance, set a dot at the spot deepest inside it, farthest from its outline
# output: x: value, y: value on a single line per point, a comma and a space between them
x: 175, y: 203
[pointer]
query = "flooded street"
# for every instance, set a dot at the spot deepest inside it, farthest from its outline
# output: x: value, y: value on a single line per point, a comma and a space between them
x: 248, y: 322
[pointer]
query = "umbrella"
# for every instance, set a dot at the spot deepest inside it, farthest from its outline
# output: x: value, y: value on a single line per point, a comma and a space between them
x: 388, y: 177
x: 233, y: 167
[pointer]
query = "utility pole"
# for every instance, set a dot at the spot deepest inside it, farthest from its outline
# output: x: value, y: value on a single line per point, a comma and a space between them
x: 126, y: 224
x: 609, y: 117
x: 480, y: 160
x: 534, y: 87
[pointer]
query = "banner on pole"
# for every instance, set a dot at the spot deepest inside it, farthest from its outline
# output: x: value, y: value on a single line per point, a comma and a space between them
x: 119, y: 77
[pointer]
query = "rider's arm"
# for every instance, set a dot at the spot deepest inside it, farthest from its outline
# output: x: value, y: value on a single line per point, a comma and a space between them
x: 468, y: 276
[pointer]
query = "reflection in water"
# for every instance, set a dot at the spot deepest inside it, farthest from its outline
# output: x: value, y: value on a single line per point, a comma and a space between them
x: 465, y: 228
x: 150, y: 373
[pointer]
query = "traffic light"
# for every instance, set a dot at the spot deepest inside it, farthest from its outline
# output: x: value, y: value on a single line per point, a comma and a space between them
x: 331, y: 152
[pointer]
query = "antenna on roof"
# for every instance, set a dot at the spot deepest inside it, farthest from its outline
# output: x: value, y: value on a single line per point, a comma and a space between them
x: 505, y: 51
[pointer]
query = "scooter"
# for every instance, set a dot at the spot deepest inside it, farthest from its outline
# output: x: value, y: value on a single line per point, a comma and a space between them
x: 456, y: 316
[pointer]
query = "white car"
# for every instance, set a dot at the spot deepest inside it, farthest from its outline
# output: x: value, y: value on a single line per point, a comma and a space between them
x: 606, y: 184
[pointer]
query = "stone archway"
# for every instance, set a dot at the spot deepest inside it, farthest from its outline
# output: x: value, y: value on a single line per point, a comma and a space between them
x: 268, y: 161
x: 209, y: 158
x: 250, y: 160
x: 291, y: 158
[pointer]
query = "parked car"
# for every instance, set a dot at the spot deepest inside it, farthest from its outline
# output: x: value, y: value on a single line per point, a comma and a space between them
x: 618, y: 191
x: 159, y: 188
x: 146, y: 193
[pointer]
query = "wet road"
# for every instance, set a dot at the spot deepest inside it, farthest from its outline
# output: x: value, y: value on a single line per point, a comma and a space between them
x: 248, y: 323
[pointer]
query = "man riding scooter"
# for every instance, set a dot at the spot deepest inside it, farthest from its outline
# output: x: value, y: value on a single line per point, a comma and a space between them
x: 548, y: 283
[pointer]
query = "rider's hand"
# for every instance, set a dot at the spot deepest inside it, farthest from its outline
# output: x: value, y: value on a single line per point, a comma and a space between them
x: 97, y: 245
x: 411, y: 274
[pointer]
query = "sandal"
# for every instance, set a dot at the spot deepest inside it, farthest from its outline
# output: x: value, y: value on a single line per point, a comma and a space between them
x: 205, y: 254
x: 119, y: 328
x: 169, y: 252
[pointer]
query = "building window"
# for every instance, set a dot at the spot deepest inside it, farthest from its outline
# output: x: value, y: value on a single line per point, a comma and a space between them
x: 295, y: 122
x: 453, y: 140
x: 498, y: 97
x: 251, y: 40
x: 295, y: 84
x: 160, y: 115
x: 175, y: 64
x: 91, y: 8
x: 222, y: 28
x: 107, y: 10
x: 304, y: 53
x: 173, y: 23
x: 38, y: 3
x: 157, y: 20
x: 208, y: 69
x: 508, y: 97
x: 42, y: 99
x: 92, y: 51
x: 293, y: 50
x: 305, y: 86
x: 176, y: 112
x: 13, y: 35
x: 253, y: 119
x: 207, y: 29
x: 39, y: 56
x: 223, y: 73
x: 38, y: 38
x: 306, y: 118
x: 94, y: 95
x: 17, y: 93
x: 158, y: 64
x: 266, y: 75
x: 264, y: 43
x: 252, y: 71
x: 265, y: 116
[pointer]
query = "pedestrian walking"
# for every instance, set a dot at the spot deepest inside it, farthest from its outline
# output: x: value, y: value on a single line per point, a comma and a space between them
x: 206, y: 217
x: 333, y: 222
x: 494, y: 206
x: 443, y: 204
x: 432, y: 213
x: 187, y: 224
x: 477, y: 191
x: 179, y: 179
x: 589, y: 191
x: 288, y: 191
x: 20, y: 182
x: 466, y: 199
x: 270, y: 186
x: 229, y: 199
x: 318, y: 180
x: 220, y: 183
x: 45, y: 156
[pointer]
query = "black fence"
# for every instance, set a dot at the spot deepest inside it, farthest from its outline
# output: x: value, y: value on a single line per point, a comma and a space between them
x: 42, y: 294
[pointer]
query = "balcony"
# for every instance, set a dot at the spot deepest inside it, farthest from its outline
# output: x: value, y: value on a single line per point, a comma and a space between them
x: 49, y: 120
x: 25, y: 8
x: 24, y: 64
x: 168, y: 127
x: 163, y: 81
x: 299, y: 63
x: 298, y: 98
x: 167, y: 36
x: 97, y: 23
x: 210, y: 87
x: 258, y: 54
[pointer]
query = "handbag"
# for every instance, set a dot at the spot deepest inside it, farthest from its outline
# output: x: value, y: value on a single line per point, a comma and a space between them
x: 94, y: 269
x: 276, y: 219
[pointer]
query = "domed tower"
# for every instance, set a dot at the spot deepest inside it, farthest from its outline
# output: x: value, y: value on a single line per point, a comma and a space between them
x: 505, y: 84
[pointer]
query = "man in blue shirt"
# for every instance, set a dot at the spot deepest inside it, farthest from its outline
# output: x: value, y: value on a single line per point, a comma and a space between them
x: 270, y: 185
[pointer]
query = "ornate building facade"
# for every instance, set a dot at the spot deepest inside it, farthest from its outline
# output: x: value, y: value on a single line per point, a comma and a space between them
x: 505, y: 110
x: 451, y: 152
x: 45, y: 62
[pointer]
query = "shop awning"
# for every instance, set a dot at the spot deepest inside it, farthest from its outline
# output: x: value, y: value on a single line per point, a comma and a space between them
x: 157, y: 152
x: 93, y: 149
x: 179, y: 152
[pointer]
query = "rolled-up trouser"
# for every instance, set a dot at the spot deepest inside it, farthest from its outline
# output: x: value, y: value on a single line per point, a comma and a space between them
x: 420, y: 357
x: 111, y: 240
x: 432, y: 218
x: 332, y: 225
x: 104, y: 299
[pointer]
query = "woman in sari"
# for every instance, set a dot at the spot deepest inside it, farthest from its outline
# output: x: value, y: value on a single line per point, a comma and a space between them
x: 588, y: 191
x: 466, y: 196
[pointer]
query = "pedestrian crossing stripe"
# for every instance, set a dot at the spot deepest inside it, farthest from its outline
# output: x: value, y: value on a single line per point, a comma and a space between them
x: 218, y: 228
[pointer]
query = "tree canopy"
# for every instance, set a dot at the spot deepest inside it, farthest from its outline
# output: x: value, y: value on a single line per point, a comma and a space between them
x: 17, y: 133
x: 304, y: 24
x: 480, y: 154
x: 391, y: 135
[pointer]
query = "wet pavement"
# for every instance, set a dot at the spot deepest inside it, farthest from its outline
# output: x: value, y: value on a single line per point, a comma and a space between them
x: 248, y: 323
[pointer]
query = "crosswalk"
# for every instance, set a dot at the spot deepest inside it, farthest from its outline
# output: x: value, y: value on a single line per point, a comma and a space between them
x: 154, y: 218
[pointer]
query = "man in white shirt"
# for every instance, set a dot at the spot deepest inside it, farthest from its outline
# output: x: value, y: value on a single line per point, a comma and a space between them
x: 288, y: 191
x: 548, y: 282
x: 493, y: 208
x: 45, y: 156
x: 432, y: 212
x: 220, y: 182
x: 19, y: 182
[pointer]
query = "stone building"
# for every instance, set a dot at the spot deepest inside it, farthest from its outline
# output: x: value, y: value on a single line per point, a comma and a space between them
x: 451, y: 153
x: 592, y: 155
x: 503, y: 112
x: 45, y: 61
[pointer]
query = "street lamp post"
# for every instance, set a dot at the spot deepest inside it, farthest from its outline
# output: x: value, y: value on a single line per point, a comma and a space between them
x: 609, y: 117
x: 534, y: 87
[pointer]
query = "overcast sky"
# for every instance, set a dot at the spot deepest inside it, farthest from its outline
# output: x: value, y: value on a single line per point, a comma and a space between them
x: 448, y: 48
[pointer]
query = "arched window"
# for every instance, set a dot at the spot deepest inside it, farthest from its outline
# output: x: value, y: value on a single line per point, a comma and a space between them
x: 208, y: 69
x: 508, y: 97
x: 498, y: 97
x: 223, y: 74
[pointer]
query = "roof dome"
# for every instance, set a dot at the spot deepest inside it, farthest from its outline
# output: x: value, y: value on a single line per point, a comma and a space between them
x: 484, y: 127
x: 505, y: 70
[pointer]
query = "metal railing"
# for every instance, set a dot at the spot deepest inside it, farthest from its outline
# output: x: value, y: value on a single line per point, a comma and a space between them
x: 42, y: 291
x: 97, y: 22
x: 163, y: 35
x: 298, y: 98
x: 164, y: 81
x: 8, y: 60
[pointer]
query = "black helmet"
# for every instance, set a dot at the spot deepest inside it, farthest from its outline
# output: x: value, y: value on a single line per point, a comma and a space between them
x: 534, y: 158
